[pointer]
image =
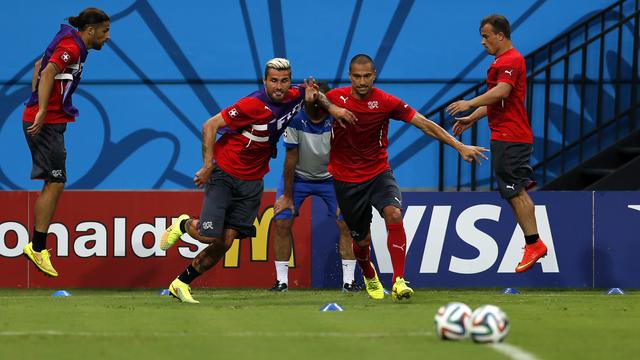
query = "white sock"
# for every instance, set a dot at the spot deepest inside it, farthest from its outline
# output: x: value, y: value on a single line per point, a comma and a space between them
x: 348, y: 269
x: 282, y: 271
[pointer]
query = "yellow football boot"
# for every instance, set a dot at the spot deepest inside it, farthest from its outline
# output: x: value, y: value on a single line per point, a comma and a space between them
x: 400, y: 290
x: 374, y: 287
x: 41, y: 259
x: 182, y: 292
x: 172, y: 233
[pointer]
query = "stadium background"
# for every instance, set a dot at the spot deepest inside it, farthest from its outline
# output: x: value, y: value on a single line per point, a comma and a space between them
x: 168, y: 68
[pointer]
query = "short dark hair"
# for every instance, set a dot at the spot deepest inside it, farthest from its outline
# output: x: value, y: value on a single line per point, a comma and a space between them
x: 499, y: 23
x: 362, y: 59
x: 88, y: 16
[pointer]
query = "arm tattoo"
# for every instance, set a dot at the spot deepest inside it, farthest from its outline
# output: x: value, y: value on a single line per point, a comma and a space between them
x: 323, y: 101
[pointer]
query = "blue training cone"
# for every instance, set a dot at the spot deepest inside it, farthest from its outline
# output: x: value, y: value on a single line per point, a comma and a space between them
x: 510, y: 291
x: 331, y: 307
x: 615, y: 291
x: 63, y: 293
x: 164, y: 292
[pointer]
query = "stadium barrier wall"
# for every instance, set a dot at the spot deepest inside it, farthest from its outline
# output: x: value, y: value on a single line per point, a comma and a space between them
x: 108, y: 239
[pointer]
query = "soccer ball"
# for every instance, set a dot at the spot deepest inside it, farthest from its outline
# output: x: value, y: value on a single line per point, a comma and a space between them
x: 488, y: 324
x: 450, y: 321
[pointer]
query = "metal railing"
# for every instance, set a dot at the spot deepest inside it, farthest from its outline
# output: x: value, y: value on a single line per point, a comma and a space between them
x: 551, y: 69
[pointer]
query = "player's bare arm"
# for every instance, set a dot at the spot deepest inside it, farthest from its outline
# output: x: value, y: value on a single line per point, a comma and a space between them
x: 34, y: 76
x: 465, y: 122
x: 501, y: 91
x: 209, y: 131
x: 285, y: 201
x: 468, y: 153
x: 47, y: 77
x: 338, y: 113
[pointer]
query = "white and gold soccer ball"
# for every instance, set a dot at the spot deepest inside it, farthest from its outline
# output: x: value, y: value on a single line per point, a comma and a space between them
x: 450, y: 321
x: 488, y: 324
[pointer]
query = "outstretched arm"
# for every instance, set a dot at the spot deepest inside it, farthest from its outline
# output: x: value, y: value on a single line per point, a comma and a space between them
x: 467, y: 152
x: 465, y: 122
x: 313, y: 93
x: 493, y: 96
x: 209, y: 131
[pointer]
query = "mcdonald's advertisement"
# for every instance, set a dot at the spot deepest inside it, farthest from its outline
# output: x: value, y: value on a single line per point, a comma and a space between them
x: 110, y: 239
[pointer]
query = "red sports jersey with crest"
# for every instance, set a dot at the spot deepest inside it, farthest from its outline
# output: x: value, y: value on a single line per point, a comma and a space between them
x: 254, y: 125
x: 508, y: 119
x: 65, y: 54
x: 359, y: 151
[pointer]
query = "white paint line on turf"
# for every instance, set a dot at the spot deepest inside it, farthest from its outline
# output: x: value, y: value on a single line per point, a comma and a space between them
x: 513, y: 352
x: 233, y: 334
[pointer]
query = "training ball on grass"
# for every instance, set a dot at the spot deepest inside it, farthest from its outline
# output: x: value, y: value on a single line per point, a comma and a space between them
x: 488, y: 324
x: 450, y: 321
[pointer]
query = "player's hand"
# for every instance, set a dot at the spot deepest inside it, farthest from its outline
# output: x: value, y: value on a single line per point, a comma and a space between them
x: 471, y: 153
x: 202, y: 176
x: 284, y: 202
x: 462, y: 124
x: 342, y: 115
x: 311, y: 90
x: 35, y: 128
x: 459, y: 107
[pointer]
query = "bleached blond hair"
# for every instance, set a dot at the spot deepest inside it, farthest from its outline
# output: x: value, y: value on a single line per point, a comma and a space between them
x: 279, y: 64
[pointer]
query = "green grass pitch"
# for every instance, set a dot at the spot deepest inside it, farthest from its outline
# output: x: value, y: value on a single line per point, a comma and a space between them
x: 257, y: 324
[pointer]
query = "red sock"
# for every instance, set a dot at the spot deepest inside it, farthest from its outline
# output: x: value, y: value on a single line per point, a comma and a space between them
x: 363, y: 256
x: 397, y: 244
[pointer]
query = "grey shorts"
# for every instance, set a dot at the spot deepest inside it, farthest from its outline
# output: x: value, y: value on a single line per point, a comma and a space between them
x: 356, y: 199
x: 510, y: 162
x: 48, y: 154
x: 229, y: 203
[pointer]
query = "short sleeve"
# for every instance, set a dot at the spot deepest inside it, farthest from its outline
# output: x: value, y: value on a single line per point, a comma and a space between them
x: 399, y: 109
x: 65, y: 54
x: 291, y: 137
x: 508, y: 72
x: 245, y: 112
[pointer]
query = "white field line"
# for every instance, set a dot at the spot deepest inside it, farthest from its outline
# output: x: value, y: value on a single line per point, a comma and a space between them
x: 513, y: 352
x: 231, y: 334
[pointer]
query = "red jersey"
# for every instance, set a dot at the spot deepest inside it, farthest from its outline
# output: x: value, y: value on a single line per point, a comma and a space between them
x: 359, y: 151
x: 242, y: 150
x: 508, y: 119
x: 66, y: 53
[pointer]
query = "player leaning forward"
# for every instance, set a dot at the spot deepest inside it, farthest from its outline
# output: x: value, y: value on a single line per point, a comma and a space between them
x: 232, y: 173
x: 362, y: 174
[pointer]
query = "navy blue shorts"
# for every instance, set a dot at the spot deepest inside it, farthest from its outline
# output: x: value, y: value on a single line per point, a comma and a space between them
x: 356, y: 199
x: 510, y: 162
x: 302, y: 189
x: 48, y: 153
x: 229, y: 203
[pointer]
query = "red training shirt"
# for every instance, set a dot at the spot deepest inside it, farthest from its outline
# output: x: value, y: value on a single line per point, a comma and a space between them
x: 236, y: 154
x: 66, y: 53
x: 359, y: 151
x: 508, y: 119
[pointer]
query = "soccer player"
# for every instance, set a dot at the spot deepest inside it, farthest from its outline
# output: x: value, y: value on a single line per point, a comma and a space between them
x: 511, y: 136
x: 55, y: 78
x: 307, y: 140
x: 235, y: 165
x: 362, y: 175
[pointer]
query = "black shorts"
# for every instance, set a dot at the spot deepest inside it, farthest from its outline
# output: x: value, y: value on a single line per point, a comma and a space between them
x: 510, y: 162
x: 229, y: 203
x: 355, y: 201
x: 48, y: 154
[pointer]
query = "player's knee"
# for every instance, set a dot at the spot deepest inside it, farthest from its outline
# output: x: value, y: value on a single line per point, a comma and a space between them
x: 392, y: 215
x: 283, y: 227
